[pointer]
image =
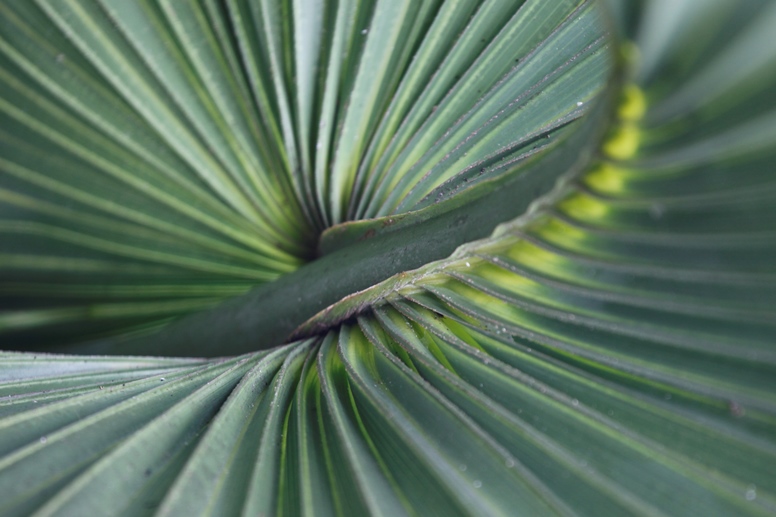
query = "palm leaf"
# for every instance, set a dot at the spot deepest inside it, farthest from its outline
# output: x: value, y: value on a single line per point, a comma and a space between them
x: 607, y: 350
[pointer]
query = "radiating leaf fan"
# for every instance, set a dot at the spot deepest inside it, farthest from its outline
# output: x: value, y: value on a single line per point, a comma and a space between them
x: 439, y: 257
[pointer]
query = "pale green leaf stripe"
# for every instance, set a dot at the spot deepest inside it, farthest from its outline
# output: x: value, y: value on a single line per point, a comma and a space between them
x: 343, y: 44
x: 378, y: 496
x: 498, y: 58
x: 20, y: 319
x: 48, y: 417
x: 417, y: 32
x: 152, y: 446
x: 575, y: 409
x: 249, y: 402
x: 144, y: 30
x: 309, y: 27
x: 136, y: 252
x: 266, y: 481
x: 112, y: 57
x: 56, y: 211
x: 484, y: 473
x: 238, y: 116
x: 462, y: 72
x: 239, y: 17
x: 147, y: 189
x: 501, y: 112
x: 269, y: 46
x: 422, y: 73
x: 87, y: 112
x: 499, y: 420
x: 275, y: 194
x: 34, y: 289
x: 68, y: 81
x: 396, y: 18
x: 83, y: 441
x: 15, y: 365
x: 315, y: 495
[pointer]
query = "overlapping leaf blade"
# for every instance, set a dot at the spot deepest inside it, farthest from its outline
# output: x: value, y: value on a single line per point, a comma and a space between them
x: 160, y: 158
x: 610, y: 352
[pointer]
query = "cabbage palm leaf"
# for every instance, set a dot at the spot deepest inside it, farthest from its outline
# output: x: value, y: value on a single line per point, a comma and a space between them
x: 311, y: 257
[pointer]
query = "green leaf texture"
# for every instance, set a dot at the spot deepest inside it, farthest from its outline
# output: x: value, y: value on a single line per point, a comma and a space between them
x: 609, y: 352
x: 158, y: 158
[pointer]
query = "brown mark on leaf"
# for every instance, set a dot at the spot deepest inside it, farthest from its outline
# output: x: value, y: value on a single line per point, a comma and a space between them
x: 368, y: 234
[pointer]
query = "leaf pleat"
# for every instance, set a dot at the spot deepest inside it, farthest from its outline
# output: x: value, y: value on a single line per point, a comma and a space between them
x: 610, y: 352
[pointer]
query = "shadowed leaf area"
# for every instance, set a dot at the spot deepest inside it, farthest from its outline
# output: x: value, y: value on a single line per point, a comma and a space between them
x: 391, y: 257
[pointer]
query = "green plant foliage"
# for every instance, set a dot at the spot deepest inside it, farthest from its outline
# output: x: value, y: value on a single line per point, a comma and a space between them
x: 338, y: 169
